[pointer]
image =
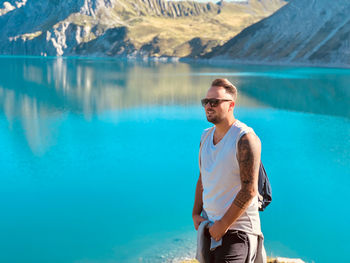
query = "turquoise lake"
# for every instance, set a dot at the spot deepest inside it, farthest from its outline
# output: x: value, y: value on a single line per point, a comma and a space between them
x: 99, y: 158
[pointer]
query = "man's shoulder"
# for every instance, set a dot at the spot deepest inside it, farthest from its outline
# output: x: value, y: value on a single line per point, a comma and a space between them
x: 207, y: 129
x: 205, y: 132
x: 242, y: 127
x: 245, y: 130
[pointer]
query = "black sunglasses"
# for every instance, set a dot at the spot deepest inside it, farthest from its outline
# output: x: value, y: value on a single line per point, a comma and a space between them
x: 212, y: 102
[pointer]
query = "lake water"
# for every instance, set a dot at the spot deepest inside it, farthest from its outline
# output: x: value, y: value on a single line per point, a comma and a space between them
x: 99, y: 158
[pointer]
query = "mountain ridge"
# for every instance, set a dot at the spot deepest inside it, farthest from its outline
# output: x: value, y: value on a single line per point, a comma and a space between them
x: 152, y: 28
x: 321, y: 39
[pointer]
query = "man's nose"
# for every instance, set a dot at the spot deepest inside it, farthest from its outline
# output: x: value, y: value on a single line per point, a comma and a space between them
x: 208, y: 106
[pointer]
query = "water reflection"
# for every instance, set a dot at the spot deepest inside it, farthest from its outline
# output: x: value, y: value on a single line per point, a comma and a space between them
x: 33, y: 90
x: 92, y: 86
x: 36, y: 93
x: 313, y: 90
x: 327, y: 94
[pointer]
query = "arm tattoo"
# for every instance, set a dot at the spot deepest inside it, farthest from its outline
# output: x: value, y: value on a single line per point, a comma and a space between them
x: 242, y: 199
x: 246, y: 167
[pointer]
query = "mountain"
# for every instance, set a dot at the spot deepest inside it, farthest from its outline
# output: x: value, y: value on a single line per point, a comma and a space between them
x: 301, y: 32
x: 124, y: 28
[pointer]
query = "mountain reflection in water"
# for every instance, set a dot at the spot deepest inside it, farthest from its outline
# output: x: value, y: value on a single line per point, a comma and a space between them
x: 34, y: 91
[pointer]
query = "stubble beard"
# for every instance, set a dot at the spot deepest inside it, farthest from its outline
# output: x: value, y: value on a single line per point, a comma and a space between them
x: 213, y: 119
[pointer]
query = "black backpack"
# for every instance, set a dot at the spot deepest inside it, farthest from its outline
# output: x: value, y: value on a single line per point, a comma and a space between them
x: 264, y: 188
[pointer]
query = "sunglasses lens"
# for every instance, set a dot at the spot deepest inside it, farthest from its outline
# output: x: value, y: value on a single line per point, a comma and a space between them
x: 204, y: 102
x: 214, y: 103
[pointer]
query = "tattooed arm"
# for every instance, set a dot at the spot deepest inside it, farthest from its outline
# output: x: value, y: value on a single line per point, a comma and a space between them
x: 248, y: 155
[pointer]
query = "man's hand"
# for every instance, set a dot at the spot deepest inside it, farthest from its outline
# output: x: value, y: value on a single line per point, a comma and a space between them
x: 197, y: 219
x: 218, y: 230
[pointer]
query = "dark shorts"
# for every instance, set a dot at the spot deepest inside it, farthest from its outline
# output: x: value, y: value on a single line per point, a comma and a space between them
x: 234, y: 248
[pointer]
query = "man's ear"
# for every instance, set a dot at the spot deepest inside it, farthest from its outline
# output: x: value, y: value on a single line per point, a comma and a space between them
x: 232, y: 105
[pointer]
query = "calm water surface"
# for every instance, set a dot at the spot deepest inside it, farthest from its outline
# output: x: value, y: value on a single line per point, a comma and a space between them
x: 99, y: 158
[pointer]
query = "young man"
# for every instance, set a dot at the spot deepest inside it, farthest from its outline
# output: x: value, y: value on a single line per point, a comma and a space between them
x: 227, y: 188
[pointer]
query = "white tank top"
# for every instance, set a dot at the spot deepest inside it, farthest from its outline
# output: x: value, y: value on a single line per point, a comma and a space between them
x: 221, y: 178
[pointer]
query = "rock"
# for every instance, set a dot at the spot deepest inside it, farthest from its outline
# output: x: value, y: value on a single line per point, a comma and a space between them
x: 286, y: 260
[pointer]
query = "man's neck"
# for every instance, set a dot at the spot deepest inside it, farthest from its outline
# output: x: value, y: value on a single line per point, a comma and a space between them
x: 222, y: 127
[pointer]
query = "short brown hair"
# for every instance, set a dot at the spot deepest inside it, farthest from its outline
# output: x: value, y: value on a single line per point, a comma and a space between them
x: 227, y: 85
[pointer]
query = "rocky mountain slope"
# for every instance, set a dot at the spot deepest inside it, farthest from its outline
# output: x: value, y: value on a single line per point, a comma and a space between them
x: 305, y: 32
x: 132, y: 28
